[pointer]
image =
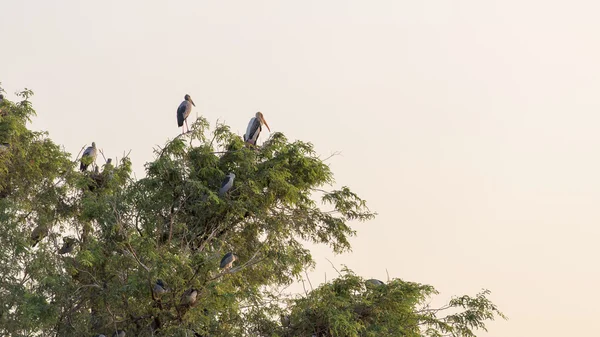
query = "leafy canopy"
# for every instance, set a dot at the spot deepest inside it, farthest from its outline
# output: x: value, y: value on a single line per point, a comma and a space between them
x: 117, y: 235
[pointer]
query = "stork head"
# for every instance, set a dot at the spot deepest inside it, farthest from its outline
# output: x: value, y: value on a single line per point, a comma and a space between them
x: 231, y: 175
x: 93, y: 144
x: 261, y: 118
x: 189, y: 99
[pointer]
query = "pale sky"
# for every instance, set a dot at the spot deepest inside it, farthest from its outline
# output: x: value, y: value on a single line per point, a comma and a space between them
x: 470, y: 126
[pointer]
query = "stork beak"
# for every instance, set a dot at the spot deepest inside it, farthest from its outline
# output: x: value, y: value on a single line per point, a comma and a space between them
x: 192, y: 102
x: 265, y: 122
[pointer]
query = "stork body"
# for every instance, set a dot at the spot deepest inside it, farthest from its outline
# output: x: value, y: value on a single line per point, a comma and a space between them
x: 189, y: 297
x: 254, y: 128
x: 226, y: 184
x: 68, y: 246
x: 183, y: 111
x: 375, y: 282
x: 159, y: 287
x: 89, y: 156
x: 38, y: 234
x: 119, y: 333
x: 228, y: 260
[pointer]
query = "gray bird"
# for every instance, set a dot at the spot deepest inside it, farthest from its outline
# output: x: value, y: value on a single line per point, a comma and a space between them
x: 68, y: 245
x: 183, y: 111
x: 189, y: 297
x: 159, y: 287
x: 374, y: 282
x: 226, y: 184
x: 38, y: 234
x: 88, y: 157
x: 119, y: 333
x: 228, y: 260
x: 254, y: 128
x: 285, y: 320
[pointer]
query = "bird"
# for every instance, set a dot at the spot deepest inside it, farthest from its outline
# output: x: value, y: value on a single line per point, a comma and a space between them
x: 119, y: 333
x: 183, y: 111
x: 90, y: 152
x: 159, y: 287
x: 68, y: 245
x: 227, y: 261
x: 374, y: 282
x: 254, y: 128
x: 189, y: 297
x: 227, y: 184
x: 38, y: 234
x: 285, y: 320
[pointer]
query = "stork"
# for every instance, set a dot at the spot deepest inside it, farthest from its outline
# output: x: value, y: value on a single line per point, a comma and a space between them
x: 228, y: 260
x: 184, y: 110
x: 226, y: 184
x: 88, y: 157
x: 254, y: 128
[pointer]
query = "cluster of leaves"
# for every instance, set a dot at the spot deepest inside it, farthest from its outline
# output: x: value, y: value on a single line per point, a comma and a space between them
x: 174, y: 226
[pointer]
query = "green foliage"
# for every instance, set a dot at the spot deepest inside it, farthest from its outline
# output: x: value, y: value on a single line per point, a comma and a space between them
x: 173, y: 225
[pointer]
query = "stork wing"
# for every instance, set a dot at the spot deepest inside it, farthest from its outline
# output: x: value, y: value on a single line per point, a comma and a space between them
x: 252, y: 127
x: 88, y: 151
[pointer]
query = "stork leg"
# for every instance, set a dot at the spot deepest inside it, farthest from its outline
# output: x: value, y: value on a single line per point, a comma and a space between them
x: 186, y: 125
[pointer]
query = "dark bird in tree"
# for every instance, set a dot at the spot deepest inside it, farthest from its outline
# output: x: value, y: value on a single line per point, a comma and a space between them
x: 254, y: 128
x: 184, y: 110
x: 285, y: 320
x: 374, y: 282
x: 88, y: 157
x: 159, y: 287
x: 189, y: 297
x: 226, y: 184
x: 38, y: 234
x: 68, y: 246
x: 228, y: 260
x: 119, y: 333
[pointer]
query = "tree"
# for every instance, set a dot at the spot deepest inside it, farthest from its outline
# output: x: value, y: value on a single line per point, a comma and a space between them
x: 107, y: 238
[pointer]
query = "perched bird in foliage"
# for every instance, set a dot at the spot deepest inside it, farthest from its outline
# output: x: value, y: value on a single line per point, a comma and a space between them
x: 68, y: 245
x: 374, y: 282
x: 88, y: 157
x: 119, y: 333
x: 159, y: 287
x: 38, y: 233
x: 228, y: 260
x: 254, y: 128
x: 285, y: 320
x: 189, y: 297
x: 226, y: 184
x: 183, y: 111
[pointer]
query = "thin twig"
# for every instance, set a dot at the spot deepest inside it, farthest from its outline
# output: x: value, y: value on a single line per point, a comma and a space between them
x: 334, y: 267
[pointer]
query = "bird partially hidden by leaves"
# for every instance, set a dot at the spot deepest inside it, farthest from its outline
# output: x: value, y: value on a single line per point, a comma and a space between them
x: 228, y: 260
x: 159, y: 287
x: 38, y: 233
x: 68, y: 245
x: 88, y: 157
x: 285, y: 320
x: 119, y: 333
x: 374, y: 282
x: 189, y: 297
x: 227, y: 184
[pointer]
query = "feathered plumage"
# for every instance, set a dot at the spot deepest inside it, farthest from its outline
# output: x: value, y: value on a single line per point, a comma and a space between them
x: 88, y: 157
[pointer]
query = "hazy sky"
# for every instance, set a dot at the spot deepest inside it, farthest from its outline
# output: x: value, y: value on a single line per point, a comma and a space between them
x: 470, y: 126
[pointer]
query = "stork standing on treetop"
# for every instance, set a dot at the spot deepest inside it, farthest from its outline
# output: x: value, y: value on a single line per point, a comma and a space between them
x: 184, y: 110
x: 88, y: 157
x: 254, y: 128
